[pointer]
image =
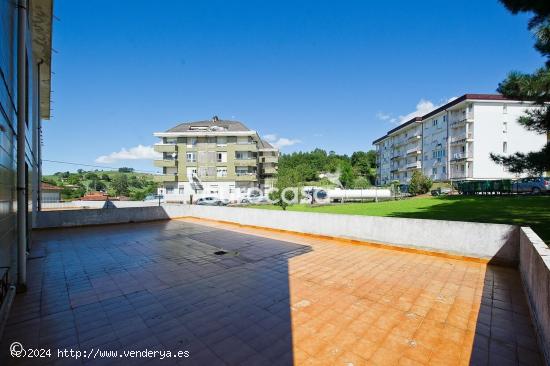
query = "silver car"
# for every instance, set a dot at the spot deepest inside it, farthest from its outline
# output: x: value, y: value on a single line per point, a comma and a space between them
x: 210, y: 201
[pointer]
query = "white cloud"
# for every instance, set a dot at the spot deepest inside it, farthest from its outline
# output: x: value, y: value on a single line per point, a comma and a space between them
x: 422, y: 107
x: 280, y: 142
x: 139, y: 152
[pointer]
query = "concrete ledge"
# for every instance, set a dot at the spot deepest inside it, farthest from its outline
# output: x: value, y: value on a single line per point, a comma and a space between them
x: 69, y: 218
x: 494, y: 243
x: 534, y: 266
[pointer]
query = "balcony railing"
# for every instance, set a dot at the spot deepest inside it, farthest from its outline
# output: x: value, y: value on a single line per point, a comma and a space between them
x: 461, y: 156
x: 164, y: 148
x: 169, y: 163
x: 414, y: 165
x: 462, y: 121
x: 462, y: 138
x: 414, y: 150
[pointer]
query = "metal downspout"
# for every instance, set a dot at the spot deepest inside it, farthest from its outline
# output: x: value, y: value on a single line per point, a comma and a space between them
x: 21, y: 139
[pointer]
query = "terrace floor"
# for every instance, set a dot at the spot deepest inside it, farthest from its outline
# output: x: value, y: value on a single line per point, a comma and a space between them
x: 274, y: 298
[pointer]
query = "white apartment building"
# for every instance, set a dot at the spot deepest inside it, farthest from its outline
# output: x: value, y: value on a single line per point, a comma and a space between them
x: 214, y: 157
x: 454, y: 141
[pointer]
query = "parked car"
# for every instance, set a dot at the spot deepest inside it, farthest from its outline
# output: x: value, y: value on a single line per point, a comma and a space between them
x: 533, y: 185
x: 154, y: 197
x: 210, y: 201
x: 441, y: 191
x: 255, y: 200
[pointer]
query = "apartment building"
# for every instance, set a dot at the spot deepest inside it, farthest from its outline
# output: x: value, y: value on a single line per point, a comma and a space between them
x: 215, y: 157
x: 454, y: 141
x: 25, y: 60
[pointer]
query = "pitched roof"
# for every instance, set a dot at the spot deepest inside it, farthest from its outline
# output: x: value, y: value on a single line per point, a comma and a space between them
x: 49, y: 187
x: 226, y: 125
x: 265, y: 145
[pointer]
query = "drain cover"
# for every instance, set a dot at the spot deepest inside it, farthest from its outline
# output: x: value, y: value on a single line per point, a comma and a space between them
x: 220, y: 252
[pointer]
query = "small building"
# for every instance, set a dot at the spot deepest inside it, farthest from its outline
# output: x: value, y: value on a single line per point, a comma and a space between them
x: 50, y: 193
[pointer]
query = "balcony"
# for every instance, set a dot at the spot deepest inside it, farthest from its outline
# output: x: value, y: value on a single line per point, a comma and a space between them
x: 461, y: 122
x: 458, y: 157
x: 269, y: 159
x: 269, y: 171
x: 165, y: 163
x: 414, y: 165
x: 416, y: 137
x: 245, y: 162
x: 165, y: 178
x: 246, y: 177
x: 414, y: 151
x: 162, y: 148
x: 462, y: 139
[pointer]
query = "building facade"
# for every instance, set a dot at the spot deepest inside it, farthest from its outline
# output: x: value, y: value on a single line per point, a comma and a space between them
x: 25, y: 60
x: 454, y: 142
x: 216, y: 157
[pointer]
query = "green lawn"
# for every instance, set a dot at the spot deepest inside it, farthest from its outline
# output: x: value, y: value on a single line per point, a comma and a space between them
x: 533, y: 211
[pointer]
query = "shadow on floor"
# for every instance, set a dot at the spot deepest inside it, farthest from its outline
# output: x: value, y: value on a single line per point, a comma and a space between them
x: 504, y: 334
x: 157, y: 286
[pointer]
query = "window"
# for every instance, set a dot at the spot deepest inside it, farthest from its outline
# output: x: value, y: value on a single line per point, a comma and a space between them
x: 444, y: 118
x: 504, y: 127
x: 231, y: 188
x: 504, y: 108
x: 221, y: 157
x: 191, y: 171
x: 222, y: 140
x: 211, y: 140
x: 191, y: 157
x: 434, y: 171
x: 191, y: 141
x: 242, y: 139
x: 169, y: 189
x: 181, y: 190
x: 221, y: 172
x: 170, y: 140
x: 443, y: 169
x: 505, y: 147
x: 213, y: 189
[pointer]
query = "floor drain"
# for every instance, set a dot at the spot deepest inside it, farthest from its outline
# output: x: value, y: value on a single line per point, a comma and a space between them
x: 220, y: 252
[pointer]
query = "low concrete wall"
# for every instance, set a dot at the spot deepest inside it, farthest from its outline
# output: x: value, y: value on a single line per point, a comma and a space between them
x: 68, y: 218
x: 498, y: 243
x: 534, y: 266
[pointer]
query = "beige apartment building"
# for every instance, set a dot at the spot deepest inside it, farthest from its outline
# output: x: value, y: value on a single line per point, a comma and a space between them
x: 214, y: 157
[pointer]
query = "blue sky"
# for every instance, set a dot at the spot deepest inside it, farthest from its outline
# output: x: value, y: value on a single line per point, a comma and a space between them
x: 328, y: 74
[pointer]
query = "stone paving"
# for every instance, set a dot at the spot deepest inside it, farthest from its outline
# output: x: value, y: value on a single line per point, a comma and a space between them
x: 272, y: 298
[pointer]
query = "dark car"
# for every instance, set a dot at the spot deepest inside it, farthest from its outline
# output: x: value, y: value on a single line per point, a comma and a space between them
x: 533, y: 185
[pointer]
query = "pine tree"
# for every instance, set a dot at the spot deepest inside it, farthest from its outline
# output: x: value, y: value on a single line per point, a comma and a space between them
x: 532, y: 87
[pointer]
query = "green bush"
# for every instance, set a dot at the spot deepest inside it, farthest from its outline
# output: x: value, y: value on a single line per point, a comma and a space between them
x: 419, y: 183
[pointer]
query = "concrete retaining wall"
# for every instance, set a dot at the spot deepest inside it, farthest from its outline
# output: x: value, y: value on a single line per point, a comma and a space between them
x: 498, y: 243
x: 68, y: 218
x: 534, y: 266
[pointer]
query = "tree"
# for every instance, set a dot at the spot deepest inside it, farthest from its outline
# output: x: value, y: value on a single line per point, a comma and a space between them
x: 105, y: 177
x: 74, y: 179
x: 125, y: 170
x: 347, y: 175
x: 97, y: 185
x: 119, y: 185
x: 419, y: 183
x: 361, y: 183
x: 289, y: 185
x: 364, y: 163
x: 533, y: 87
x: 91, y: 176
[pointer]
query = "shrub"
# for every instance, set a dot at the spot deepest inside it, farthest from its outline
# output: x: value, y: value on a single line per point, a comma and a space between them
x: 419, y: 183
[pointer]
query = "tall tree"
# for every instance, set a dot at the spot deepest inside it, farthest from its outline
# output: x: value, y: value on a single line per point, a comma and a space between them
x: 533, y: 87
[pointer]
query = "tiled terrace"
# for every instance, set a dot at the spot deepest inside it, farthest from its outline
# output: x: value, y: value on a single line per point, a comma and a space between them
x: 275, y: 298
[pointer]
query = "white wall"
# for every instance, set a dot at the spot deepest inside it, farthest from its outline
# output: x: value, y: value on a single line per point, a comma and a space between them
x: 489, y: 137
